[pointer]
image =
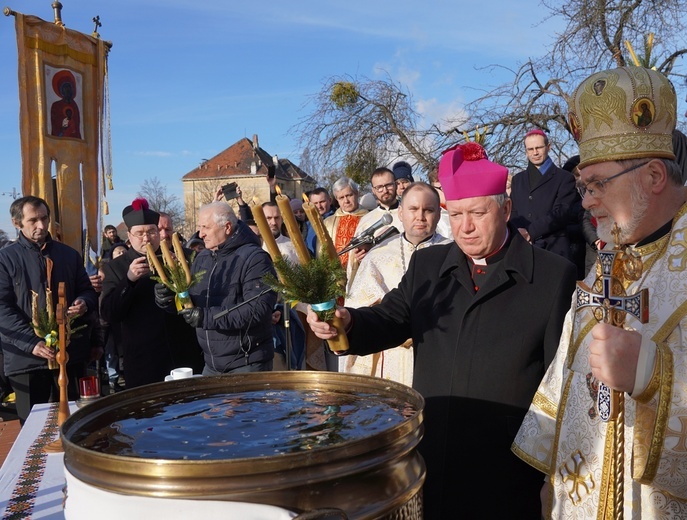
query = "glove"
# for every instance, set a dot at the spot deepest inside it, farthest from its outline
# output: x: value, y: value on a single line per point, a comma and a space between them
x: 193, y: 316
x: 164, y: 297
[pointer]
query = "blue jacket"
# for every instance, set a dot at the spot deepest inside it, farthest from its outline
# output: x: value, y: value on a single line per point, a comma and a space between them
x: 311, y: 237
x: 23, y: 268
x: 233, y: 275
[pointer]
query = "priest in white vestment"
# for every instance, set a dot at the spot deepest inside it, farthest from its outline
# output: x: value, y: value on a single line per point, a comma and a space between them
x: 382, y: 269
x: 634, y: 466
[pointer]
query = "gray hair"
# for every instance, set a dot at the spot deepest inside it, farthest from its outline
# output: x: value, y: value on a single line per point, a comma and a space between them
x: 672, y: 168
x: 343, y: 183
x: 674, y: 171
x: 500, y: 199
x: 221, y: 213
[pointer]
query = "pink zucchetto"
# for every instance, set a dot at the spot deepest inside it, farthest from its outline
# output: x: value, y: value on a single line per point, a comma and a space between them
x: 465, y: 171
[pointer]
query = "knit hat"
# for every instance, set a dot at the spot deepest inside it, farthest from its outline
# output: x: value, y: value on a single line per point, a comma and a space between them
x: 138, y: 214
x: 402, y: 170
x: 465, y: 171
x: 194, y: 240
x: 623, y: 113
x: 296, y: 204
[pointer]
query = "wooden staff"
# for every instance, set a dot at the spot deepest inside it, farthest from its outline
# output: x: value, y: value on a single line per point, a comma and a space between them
x: 62, y: 358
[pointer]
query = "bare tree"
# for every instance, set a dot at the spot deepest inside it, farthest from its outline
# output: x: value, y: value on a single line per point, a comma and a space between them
x: 358, y: 120
x: 160, y: 199
x: 594, y: 38
x: 353, y: 117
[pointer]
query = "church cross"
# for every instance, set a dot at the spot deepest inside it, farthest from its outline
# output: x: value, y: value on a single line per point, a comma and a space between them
x: 579, y: 482
x: 681, y: 436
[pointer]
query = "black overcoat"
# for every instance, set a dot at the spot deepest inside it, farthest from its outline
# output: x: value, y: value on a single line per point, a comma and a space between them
x: 547, y: 209
x: 154, y: 341
x: 479, y: 358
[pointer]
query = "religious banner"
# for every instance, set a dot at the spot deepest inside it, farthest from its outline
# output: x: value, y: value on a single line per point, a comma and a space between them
x: 63, y: 125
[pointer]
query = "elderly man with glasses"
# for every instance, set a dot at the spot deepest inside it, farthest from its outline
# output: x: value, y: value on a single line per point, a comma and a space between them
x: 624, y: 347
x: 154, y: 342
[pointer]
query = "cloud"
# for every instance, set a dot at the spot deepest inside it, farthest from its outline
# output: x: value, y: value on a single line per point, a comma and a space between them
x: 444, y: 115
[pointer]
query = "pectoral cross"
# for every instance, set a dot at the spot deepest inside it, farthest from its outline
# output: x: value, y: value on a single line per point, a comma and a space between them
x: 610, y: 304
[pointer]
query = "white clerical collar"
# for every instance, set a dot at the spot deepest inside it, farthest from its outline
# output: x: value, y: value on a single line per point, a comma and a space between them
x: 483, y: 261
x: 428, y: 239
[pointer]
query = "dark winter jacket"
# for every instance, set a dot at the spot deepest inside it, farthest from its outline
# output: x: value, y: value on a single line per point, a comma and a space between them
x: 233, y: 275
x: 546, y: 209
x: 24, y: 268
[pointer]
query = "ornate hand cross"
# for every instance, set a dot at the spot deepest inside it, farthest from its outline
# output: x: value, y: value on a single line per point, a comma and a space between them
x: 610, y: 304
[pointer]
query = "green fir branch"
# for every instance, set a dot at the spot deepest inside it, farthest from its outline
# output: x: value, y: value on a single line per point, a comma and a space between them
x: 320, y: 280
x: 177, y: 278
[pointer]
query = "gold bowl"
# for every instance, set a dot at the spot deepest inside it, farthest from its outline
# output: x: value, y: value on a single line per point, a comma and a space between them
x: 374, y: 473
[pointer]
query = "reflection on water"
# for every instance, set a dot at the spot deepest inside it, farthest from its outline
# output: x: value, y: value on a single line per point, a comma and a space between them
x: 261, y: 423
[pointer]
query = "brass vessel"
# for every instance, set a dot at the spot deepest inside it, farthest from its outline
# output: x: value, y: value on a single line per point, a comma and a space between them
x: 376, y: 476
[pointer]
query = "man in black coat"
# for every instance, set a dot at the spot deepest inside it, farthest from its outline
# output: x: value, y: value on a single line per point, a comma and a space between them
x: 154, y: 341
x: 545, y: 201
x: 35, y: 262
x: 485, y: 314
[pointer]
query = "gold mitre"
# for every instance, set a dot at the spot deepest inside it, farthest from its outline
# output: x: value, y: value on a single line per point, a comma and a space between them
x: 623, y: 113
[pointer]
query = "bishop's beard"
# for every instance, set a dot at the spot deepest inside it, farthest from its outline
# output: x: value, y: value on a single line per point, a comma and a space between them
x: 639, y: 202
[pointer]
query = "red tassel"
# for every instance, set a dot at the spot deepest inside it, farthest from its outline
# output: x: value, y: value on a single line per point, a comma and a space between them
x: 139, y: 204
x: 473, y: 152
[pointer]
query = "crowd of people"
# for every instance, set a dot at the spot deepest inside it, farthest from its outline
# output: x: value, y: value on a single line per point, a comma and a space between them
x: 478, y: 288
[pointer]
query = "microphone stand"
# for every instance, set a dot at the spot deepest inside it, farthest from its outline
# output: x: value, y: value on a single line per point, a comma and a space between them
x: 369, y: 239
x: 227, y: 311
x: 287, y: 327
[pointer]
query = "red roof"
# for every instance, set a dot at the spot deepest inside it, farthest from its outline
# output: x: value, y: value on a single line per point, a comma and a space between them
x: 238, y: 160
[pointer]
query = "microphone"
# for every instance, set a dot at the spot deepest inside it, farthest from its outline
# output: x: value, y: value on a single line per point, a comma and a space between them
x: 384, y: 221
x: 387, y: 233
x: 367, y: 236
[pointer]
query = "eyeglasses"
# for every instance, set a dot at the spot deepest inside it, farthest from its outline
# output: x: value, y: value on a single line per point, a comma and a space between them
x: 598, y: 188
x: 149, y: 233
x: 383, y: 187
x: 437, y: 187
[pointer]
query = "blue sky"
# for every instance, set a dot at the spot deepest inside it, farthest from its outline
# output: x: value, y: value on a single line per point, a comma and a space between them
x: 188, y: 79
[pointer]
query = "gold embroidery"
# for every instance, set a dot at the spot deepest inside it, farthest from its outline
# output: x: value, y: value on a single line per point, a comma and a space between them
x: 559, y: 423
x: 654, y: 382
x: 545, y: 404
x: 578, y: 340
x: 579, y: 481
x: 662, y: 412
x: 678, y: 261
